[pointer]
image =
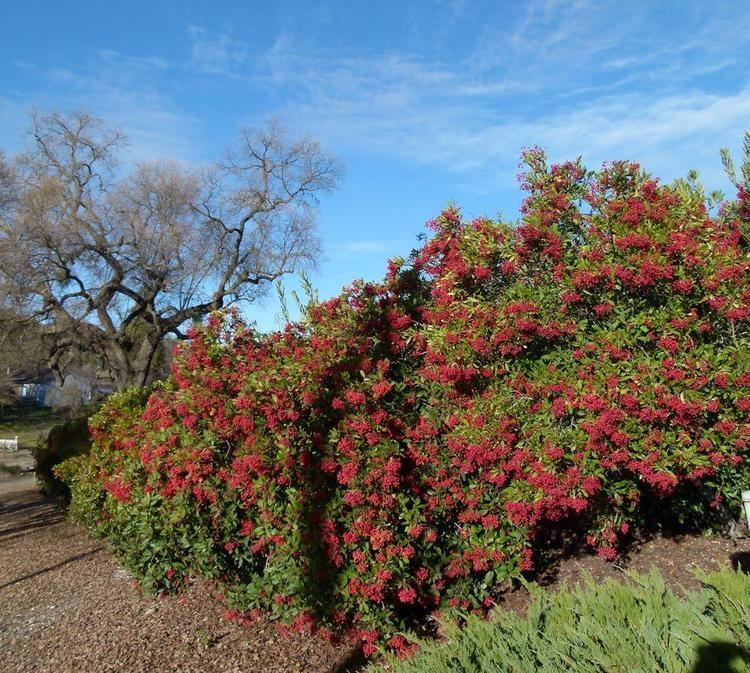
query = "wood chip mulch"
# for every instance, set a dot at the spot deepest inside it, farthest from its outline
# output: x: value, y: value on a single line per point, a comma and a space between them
x: 676, y: 557
x: 66, y: 606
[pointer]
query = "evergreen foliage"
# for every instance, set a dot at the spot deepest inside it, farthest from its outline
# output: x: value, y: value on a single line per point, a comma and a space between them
x: 639, y: 625
x: 407, y: 447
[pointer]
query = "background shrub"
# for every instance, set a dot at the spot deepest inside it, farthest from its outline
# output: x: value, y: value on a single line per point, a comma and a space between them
x: 64, y: 441
x: 407, y: 446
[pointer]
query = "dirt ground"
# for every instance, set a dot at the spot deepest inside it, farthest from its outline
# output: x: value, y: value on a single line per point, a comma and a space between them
x: 675, y: 557
x: 66, y: 606
x: 23, y: 458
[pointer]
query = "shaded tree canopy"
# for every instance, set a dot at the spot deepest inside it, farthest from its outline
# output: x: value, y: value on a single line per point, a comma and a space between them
x: 111, y: 263
x: 23, y: 351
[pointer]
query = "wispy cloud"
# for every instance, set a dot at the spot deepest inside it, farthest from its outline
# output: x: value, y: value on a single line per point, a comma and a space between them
x: 215, y: 53
x: 668, y: 135
x: 119, y: 59
x: 574, y: 76
x: 365, y: 247
x: 524, y: 86
x: 124, y: 92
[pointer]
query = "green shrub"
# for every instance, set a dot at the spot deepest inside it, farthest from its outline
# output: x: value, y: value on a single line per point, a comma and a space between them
x: 729, y: 603
x: 10, y: 469
x: 639, y: 625
x: 408, y: 446
x: 64, y: 441
x: 79, y: 474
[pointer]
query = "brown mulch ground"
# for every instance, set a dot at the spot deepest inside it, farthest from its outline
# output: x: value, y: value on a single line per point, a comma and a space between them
x: 66, y: 606
x: 676, y: 557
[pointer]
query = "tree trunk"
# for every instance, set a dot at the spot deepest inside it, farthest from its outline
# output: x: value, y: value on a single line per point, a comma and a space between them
x: 142, y: 359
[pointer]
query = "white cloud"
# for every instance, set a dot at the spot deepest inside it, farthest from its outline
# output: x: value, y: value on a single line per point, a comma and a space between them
x: 546, y: 80
x: 215, y: 53
x: 119, y: 89
x: 146, y: 62
x: 570, y: 76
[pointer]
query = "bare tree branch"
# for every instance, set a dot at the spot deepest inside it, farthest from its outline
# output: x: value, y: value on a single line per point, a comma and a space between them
x: 114, y: 264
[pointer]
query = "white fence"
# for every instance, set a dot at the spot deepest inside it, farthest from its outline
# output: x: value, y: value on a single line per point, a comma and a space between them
x: 9, y: 444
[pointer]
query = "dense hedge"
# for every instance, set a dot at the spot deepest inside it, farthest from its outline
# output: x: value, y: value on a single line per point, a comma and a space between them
x: 408, y: 446
x: 637, y: 625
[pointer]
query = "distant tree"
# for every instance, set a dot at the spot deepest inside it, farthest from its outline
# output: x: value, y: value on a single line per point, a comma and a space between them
x: 8, y: 395
x: 113, y: 264
x: 22, y: 347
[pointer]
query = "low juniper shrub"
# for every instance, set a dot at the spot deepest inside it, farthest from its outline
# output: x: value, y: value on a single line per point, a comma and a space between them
x: 638, y: 624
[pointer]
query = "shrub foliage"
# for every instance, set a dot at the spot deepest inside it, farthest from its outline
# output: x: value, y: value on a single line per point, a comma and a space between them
x: 639, y: 625
x: 65, y: 440
x: 408, y: 445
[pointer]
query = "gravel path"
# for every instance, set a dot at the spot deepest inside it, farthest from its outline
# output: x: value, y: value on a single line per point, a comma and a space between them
x: 66, y: 606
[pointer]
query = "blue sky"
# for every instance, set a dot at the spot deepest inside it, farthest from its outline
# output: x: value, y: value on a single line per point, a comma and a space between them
x: 425, y: 102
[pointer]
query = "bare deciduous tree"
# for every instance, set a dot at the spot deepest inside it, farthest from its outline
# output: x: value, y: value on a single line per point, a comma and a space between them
x: 113, y: 264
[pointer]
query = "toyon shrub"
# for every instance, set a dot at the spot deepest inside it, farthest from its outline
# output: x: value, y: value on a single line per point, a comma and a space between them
x: 412, y: 444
